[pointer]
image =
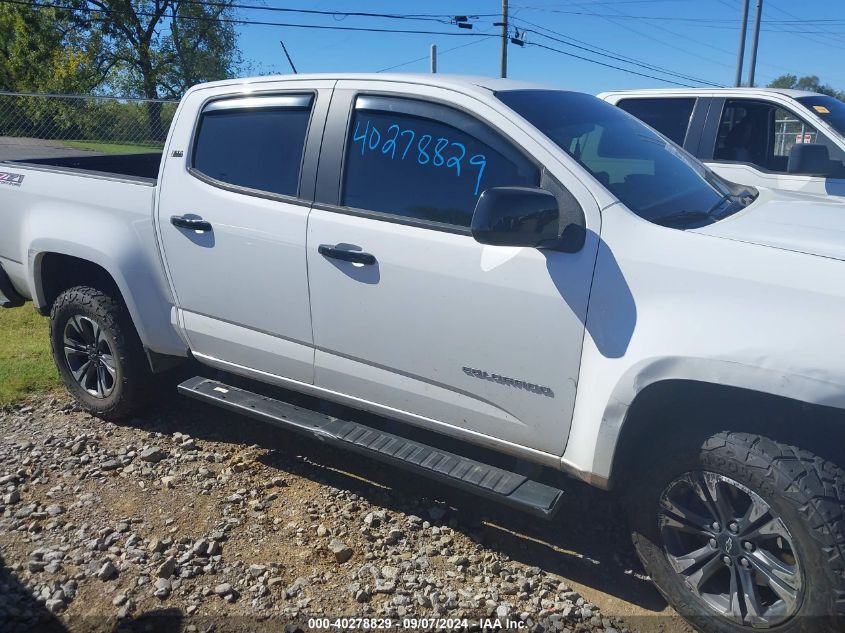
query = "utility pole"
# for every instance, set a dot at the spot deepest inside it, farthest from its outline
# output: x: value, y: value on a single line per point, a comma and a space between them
x: 434, y: 58
x: 504, y: 54
x: 753, y: 64
x: 741, y: 53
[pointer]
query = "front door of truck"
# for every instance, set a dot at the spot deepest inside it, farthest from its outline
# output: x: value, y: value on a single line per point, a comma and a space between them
x: 752, y: 143
x: 411, y: 313
x: 232, y: 218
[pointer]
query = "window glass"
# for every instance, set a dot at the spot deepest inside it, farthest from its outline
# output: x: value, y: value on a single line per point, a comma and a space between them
x: 828, y: 109
x: 258, y: 148
x: 424, y: 169
x: 789, y: 132
x: 763, y: 134
x: 744, y: 132
x: 652, y: 177
x: 670, y: 116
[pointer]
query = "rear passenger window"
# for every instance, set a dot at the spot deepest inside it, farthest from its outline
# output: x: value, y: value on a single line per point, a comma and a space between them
x: 255, y: 143
x: 421, y: 168
x: 670, y: 117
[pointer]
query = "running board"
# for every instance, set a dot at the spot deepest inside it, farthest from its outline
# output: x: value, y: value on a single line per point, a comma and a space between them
x: 481, y: 479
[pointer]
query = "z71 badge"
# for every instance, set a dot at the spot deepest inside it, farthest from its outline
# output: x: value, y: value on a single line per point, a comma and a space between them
x: 13, y: 180
x: 511, y: 382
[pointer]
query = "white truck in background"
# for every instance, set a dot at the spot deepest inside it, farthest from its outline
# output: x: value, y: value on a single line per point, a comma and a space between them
x: 762, y: 137
x: 499, y: 274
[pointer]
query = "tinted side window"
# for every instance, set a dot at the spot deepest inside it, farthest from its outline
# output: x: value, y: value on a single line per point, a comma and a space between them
x: 670, y: 117
x: 258, y: 148
x: 761, y: 134
x: 420, y: 168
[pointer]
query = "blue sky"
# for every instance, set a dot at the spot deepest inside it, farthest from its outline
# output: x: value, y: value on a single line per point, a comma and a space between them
x: 696, y: 38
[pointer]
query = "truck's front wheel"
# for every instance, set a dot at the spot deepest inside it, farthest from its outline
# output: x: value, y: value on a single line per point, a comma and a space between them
x: 98, y: 353
x: 745, y: 533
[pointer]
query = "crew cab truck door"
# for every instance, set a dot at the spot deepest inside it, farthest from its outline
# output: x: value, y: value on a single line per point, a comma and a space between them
x: 411, y: 316
x: 232, y: 214
x: 749, y: 141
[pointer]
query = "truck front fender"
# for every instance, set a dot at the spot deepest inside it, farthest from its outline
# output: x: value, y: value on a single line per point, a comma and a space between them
x: 796, y: 385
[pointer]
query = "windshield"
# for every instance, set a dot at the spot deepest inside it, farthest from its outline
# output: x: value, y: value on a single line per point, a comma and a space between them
x: 651, y: 175
x: 828, y: 109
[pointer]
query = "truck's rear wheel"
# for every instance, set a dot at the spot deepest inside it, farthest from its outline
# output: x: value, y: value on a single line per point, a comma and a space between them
x: 98, y: 353
x: 745, y: 533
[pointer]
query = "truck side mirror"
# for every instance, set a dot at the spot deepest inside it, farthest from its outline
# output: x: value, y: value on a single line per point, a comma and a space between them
x: 517, y: 216
x: 810, y: 159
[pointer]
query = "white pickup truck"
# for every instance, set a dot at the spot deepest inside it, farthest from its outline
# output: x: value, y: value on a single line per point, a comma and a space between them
x: 504, y: 274
x: 763, y: 137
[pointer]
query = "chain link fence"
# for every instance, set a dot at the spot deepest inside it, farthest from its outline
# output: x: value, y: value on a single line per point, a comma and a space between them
x: 790, y: 132
x: 48, y: 125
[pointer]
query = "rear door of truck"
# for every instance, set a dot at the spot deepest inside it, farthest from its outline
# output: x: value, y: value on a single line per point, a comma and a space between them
x: 235, y: 194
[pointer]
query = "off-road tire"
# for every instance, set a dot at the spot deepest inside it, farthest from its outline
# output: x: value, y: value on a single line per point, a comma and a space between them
x: 133, y: 377
x: 806, y: 491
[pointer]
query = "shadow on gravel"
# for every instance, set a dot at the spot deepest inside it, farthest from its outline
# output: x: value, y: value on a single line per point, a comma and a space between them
x: 20, y: 612
x: 588, y: 543
x: 158, y: 621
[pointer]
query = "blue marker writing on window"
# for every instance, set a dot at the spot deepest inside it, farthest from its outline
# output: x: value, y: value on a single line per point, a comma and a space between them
x: 428, y: 150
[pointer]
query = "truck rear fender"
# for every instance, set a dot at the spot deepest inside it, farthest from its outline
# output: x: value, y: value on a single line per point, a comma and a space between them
x: 125, y: 248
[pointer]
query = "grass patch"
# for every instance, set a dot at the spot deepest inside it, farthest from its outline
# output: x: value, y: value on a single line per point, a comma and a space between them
x: 112, y: 148
x: 26, y: 364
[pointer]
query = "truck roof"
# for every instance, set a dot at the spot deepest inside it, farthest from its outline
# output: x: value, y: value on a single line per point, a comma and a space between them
x: 466, y: 83
x: 681, y: 92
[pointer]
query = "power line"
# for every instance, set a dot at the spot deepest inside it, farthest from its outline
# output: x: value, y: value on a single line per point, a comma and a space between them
x: 778, y: 68
x: 668, y: 18
x: 45, y: 5
x: 609, y: 54
x: 708, y: 45
x: 595, y: 61
x: 428, y: 17
x: 443, y: 52
x: 833, y: 35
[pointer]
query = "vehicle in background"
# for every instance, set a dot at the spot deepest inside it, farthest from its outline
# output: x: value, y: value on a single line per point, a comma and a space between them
x: 763, y: 137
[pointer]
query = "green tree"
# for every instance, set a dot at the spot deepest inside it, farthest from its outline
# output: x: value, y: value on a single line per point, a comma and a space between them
x: 153, y: 49
x: 809, y: 82
x: 41, y: 52
x: 158, y: 48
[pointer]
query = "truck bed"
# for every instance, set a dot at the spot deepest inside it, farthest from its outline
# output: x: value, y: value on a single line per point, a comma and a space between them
x: 141, y: 166
x: 67, y: 201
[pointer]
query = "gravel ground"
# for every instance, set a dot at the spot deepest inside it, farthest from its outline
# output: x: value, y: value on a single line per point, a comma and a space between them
x: 192, y: 519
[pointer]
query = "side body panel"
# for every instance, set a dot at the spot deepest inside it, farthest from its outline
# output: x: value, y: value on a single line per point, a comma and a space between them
x: 750, y: 175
